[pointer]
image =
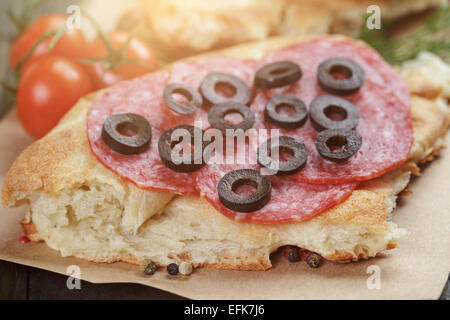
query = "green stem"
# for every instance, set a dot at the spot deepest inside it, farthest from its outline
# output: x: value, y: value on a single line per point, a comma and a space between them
x: 19, y: 23
x: 44, y: 37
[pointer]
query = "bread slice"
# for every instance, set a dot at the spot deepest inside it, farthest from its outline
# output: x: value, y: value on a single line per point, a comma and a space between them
x: 82, y: 209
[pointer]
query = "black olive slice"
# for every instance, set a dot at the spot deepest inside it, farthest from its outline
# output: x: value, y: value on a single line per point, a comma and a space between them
x: 272, y: 115
x: 217, y: 114
x: 234, y: 179
x: 324, y: 108
x: 177, y: 135
x: 241, y: 92
x: 353, y: 76
x: 138, y: 141
x: 338, y: 144
x: 194, y: 98
x: 297, y: 150
x: 277, y: 74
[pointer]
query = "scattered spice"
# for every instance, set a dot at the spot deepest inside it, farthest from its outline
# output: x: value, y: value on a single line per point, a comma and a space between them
x: 291, y: 253
x: 185, y: 268
x: 172, y: 269
x: 148, y: 267
x: 313, y: 260
x: 24, y: 239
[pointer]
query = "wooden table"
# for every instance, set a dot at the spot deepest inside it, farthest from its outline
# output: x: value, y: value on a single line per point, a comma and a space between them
x: 22, y: 282
x: 25, y: 283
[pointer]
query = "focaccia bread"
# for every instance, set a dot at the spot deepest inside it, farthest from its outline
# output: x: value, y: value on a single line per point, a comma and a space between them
x: 182, y: 28
x: 82, y: 209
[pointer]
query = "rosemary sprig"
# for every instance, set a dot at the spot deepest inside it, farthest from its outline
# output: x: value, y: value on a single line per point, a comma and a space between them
x: 433, y: 36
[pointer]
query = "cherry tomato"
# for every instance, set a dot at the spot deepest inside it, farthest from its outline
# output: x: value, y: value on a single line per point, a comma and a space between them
x: 72, y: 44
x: 137, y: 50
x: 47, y: 90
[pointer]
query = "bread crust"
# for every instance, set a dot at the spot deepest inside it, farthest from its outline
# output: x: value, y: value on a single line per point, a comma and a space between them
x: 63, y: 160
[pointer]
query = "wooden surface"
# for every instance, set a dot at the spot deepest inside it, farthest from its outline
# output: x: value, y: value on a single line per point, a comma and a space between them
x: 22, y: 282
x: 25, y: 283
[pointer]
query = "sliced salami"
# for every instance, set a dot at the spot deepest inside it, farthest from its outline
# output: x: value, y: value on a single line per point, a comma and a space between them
x: 290, y: 200
x: 309, y: 55
x: 385, y: 127
x: 192, y: 73
x: 144, y: 97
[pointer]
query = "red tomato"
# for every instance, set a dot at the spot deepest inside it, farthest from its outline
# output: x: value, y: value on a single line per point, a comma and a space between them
x: 47, y: 90
x: 72, y: 45
x: 137, y: 50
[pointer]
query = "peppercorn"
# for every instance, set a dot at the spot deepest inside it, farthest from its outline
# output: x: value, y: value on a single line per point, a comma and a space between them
x: 148, y: 267
x: 292, y: 253
x: 313, y: 260
x: 185, y: 268
x: 172, y: 269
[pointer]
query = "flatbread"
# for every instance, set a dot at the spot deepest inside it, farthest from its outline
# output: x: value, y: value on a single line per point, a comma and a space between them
x: 82, y: 209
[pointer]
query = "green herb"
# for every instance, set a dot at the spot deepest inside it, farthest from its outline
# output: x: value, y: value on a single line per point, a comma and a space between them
x: 432, y: 36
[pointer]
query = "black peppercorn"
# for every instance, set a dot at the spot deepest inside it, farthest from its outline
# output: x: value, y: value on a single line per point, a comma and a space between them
x: 148, y: 267
x: 172, y: 269
x: 292, y: 253
x: 313, y: 260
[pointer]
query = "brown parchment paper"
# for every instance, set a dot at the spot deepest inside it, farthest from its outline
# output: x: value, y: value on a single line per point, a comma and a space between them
x: 418, y: 269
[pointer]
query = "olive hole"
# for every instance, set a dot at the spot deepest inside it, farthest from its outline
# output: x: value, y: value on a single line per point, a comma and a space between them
x: 340, y: 72
x: 284, y: 154
x: 335, y: 113
x: 182, y: 96
x: 285, y: 110
x: 127, y: 129
x: 233, y: 118
x: 336, y: 143
x: 244, y: 188
x: 225, y: 89
x: 278, y: 71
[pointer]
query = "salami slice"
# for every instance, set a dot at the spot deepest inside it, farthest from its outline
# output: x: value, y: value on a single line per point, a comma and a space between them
x: 144, y: 97
x: 290, y: 200
x: 309, y: 54
x: 385, y: 127
x: 192, y: 73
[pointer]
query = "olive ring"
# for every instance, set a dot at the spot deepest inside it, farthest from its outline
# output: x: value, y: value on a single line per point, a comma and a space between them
x: 217, y: 114
x: 239, y: 203
x: 272, y: 115
x: 136, y: 143
x: 194, y: 98
x: 166, y: 145
x: 353, y: 72
x: 277, y: 74
x: 338, y: 145
x: 286, y: 144
x: 214, y: 79
x: 322, y: 107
